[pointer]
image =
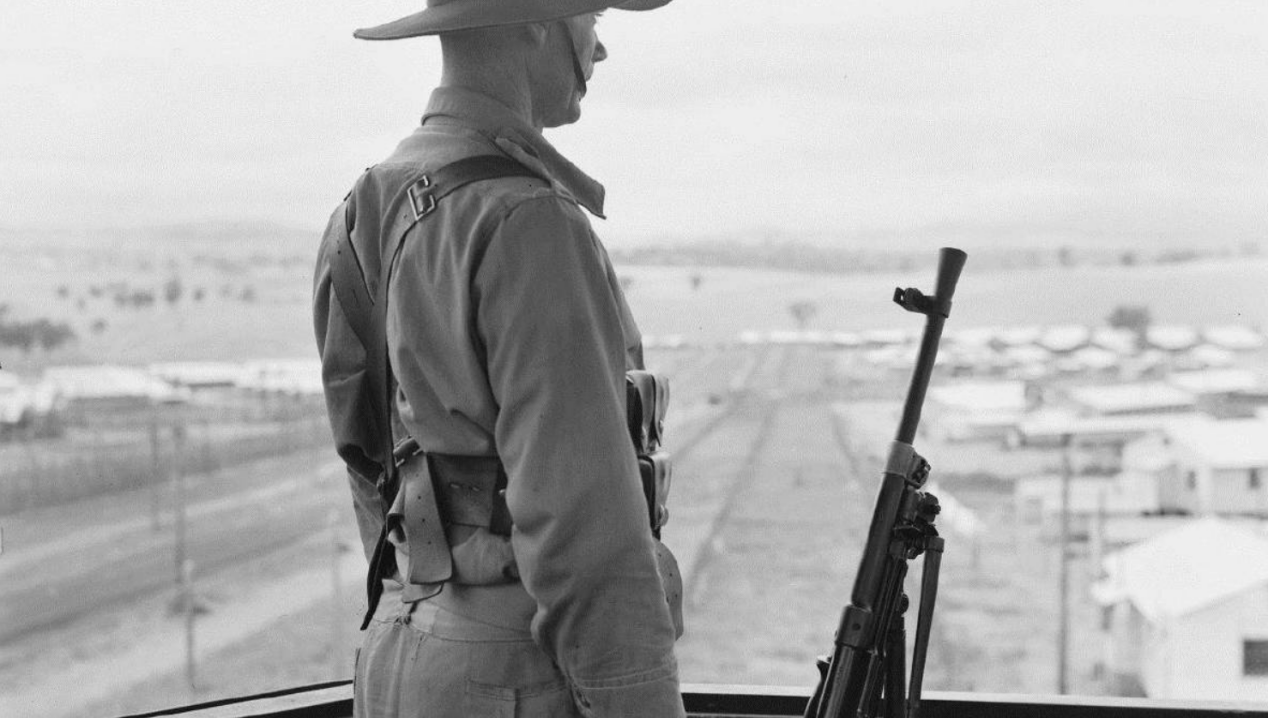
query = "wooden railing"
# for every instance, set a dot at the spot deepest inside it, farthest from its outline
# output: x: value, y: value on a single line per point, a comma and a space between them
x: 334, y: 700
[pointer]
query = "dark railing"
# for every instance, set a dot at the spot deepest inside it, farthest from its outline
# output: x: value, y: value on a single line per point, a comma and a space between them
x: 334, y: 700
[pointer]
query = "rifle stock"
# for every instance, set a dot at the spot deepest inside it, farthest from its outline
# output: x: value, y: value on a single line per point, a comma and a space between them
x: 870, y: 644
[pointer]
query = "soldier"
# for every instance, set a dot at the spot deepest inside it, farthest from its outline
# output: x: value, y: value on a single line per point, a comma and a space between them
x: 474, y: 342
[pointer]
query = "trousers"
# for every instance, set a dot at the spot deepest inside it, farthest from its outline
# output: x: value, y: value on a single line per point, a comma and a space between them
x: 418, y: 660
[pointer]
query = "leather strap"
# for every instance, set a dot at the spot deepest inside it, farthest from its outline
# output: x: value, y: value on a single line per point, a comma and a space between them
x: 367, y: 315
x: 414, y: 519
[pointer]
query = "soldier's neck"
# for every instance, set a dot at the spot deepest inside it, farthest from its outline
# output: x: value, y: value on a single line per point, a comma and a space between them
x: 514, y: 94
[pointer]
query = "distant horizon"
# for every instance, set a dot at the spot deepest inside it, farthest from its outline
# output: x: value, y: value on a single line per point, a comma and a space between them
x: 1013, y: 235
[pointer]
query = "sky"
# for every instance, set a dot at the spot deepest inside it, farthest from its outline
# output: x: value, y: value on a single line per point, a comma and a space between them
x: 836, y: 118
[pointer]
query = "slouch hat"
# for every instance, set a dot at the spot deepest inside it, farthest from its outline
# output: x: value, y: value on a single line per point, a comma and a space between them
x: 443, y: 16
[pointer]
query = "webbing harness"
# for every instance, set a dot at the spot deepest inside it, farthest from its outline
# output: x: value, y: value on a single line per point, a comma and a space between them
x: 367, y: 316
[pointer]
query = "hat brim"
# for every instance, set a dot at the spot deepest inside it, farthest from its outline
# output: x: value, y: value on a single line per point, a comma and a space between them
x: 473, y: 14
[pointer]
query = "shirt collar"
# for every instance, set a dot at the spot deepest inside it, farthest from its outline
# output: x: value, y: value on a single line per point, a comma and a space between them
x: 497, y: 121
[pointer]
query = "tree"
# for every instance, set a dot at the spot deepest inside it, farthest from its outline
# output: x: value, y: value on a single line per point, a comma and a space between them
x: 141, y: 298
x: 802, y: 313
x: 1134, y: 318
x: 50, y: 336
x: 172, y: 290
x: 1065, y: 256
x: 28, y: 335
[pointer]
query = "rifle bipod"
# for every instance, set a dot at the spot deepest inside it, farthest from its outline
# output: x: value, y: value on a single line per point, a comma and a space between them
x: 882, y: 685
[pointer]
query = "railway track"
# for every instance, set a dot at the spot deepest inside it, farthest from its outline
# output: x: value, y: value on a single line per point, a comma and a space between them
x: 107, y: 567
x: 767, y: 557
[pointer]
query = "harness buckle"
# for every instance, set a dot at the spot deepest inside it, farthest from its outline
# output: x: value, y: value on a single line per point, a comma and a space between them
x: 421, y: 200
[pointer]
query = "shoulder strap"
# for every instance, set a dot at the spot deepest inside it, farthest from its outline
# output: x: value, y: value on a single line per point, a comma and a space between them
x: 429, y: 189
x: 367, y: 316
x: 348, y: 276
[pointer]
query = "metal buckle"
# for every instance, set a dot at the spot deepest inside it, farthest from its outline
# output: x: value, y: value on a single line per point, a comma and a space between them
x: 422, y: 202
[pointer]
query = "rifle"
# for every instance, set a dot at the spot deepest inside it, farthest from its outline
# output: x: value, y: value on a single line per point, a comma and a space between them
x: 871, y: 640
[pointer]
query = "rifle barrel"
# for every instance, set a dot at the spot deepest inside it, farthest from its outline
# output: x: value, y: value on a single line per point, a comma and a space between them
x: 950, y: 263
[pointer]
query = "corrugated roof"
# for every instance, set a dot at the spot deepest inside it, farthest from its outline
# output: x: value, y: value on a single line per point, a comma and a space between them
x: 1186, y: 569
x: 1096, y: 358
x: 1119, y: 398
x: 1171, y: 337
x: 1054, y: 423
x: 197, y: 372
x: 1210, y: 356
x: 1234, y: 337
x: 1017, y: 336
x: 982, y: 395
x: 1214, y: 381
x: 1121, y: 341
x: 106, y: 381
x: 1064, y: 338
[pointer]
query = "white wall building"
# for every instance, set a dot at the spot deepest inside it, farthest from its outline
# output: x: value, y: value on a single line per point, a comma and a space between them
x: 1221, y: 467
x: 975, y: 411
x: 23, y: 403
x: 198, y: 374
x: 296, y: 377
x: 1187, y: 613
x: 108, y: 386
x: 1037, y: 501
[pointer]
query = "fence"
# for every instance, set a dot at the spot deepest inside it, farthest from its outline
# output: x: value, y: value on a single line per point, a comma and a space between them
x: 108, y: 453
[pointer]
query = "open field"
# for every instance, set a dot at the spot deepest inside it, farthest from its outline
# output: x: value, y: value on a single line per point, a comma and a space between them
x: 773, y: 487
x: 255, y: 298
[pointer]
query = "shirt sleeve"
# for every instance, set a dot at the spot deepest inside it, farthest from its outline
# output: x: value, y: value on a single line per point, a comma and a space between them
x: 551, y: 326
x: 343, y: 367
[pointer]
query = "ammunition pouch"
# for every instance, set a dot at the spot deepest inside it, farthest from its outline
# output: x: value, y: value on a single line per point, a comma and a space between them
x: 646, y: 403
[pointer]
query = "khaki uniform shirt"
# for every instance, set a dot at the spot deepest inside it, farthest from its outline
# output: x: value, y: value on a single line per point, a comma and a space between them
x: 509, y: 335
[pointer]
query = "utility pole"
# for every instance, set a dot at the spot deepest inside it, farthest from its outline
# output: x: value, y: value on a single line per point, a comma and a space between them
x: 184, y: 566
x: 187, y: 589
x: 336, y: 598
x: 156, y: 467
x: 1063, y: 628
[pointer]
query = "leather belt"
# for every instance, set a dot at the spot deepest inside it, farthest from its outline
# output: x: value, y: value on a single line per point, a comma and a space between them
x: 450, y: 511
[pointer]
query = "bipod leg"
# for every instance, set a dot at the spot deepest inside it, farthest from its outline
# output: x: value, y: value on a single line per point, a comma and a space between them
x: 889, y: 613
x: 924, y: 621
x: 896, y: 663
x: 825, y: 675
